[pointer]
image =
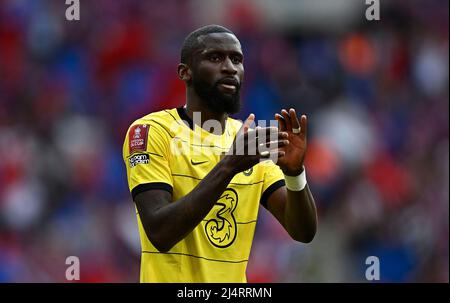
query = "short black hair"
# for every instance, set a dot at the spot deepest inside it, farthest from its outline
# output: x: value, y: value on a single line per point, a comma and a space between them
x: 191, y: 42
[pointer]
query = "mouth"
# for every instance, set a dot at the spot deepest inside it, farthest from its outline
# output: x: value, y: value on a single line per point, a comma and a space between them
x: 229, y: 85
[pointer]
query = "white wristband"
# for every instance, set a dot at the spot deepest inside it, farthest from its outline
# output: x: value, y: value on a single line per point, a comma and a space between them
x: 296, y: 183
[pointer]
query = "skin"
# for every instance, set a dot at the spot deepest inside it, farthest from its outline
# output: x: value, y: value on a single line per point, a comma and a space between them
x: 166, y: 223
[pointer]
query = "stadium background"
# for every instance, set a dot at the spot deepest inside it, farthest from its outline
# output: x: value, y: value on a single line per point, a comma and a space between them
x: 376, y: 94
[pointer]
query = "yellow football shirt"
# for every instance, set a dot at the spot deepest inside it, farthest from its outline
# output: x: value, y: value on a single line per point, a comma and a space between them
x: 165, y: 150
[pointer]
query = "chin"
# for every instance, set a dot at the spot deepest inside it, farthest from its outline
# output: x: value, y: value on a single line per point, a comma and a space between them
x: 229, y: 107
x: 220, y: 102
x: 232, y: 104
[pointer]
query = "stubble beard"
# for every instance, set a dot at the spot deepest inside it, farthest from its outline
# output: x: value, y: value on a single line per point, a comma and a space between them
x: 214, y: 99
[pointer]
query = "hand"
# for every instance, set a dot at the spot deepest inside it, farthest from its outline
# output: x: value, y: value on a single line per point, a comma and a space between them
x: 246, y: 152
x: 292, y: 162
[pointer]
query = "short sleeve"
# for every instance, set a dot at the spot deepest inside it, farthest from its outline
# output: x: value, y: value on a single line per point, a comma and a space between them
x: 273, y: 180
x: 146, y: 154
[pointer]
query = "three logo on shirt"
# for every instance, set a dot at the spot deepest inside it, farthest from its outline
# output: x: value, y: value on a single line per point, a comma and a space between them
x: 221, y: 228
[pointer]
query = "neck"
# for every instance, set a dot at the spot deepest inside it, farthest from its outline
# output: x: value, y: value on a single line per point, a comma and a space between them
x: 195, y: 104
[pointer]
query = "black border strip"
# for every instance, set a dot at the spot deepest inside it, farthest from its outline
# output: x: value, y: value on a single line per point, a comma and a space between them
x: 265, y: 196
x: 148, y: 186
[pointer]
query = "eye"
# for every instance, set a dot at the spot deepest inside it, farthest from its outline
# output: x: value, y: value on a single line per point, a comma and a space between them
x: 236, y: 59
x: 214, y: 58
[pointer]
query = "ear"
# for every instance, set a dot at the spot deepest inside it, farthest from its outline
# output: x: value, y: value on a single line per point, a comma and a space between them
x: 184, y: 72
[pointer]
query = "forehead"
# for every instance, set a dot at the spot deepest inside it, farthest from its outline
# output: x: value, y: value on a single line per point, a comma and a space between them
x: 219, y: 42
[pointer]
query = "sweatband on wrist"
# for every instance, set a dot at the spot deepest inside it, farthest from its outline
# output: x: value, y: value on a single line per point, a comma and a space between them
x: 296, y: 183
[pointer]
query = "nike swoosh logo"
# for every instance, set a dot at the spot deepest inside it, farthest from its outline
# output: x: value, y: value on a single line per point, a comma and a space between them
x: 197, y: 163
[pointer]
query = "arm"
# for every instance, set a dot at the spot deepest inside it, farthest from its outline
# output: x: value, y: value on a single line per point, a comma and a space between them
x: 295, y: 210
x: 166, y: 222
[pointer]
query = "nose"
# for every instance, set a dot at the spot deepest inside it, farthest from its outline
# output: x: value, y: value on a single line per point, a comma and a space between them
x: 228, y: 67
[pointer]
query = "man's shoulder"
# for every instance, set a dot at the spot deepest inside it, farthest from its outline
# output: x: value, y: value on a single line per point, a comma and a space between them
x: 164, y: 116
x: 162, y: 121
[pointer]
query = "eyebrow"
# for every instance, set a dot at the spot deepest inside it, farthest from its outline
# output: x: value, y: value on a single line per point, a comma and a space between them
x: 206, y: 52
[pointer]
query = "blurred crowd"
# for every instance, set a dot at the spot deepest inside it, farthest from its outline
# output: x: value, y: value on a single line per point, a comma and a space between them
x: 376, y: 94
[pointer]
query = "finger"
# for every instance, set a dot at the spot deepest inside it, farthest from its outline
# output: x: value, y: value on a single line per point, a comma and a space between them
x: 248, y: 122
x: 267, y: 134
x: 294, y: 119
x: 281, y: 122
x: 266, y: 131
x: 287, y: 119
x: 264, y: 137
x: 273, y: 132
x: 273, y: 144
x: 272, y: 154
x: 303, y: 126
